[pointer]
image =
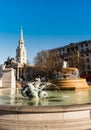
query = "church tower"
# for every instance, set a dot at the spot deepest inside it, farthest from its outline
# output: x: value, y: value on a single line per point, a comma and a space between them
x: 21, y: 56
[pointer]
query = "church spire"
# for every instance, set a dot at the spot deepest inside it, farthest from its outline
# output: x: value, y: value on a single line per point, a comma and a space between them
x: 21, y: 56
x: 21, y: 36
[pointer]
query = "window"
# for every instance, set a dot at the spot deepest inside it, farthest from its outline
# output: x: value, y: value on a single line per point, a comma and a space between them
x: 87, y: 49
x: 88, y: 66
x: 81, y: 45
x: 89, y: 72
x: 76, y: 47
x: 68, y: 50
x: 87, y: 54
x: 82, y: 50
x: 87, y: 59
x: 86, y: 44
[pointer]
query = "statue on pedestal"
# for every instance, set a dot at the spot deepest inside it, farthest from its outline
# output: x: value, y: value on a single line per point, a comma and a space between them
x: 64, y: 64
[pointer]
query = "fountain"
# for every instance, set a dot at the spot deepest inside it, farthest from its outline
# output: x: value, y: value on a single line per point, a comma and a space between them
x: 70, y: 79
x: 33, y: 108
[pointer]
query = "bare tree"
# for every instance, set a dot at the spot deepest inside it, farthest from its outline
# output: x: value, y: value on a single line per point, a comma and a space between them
x: 40, y: 59
x: 48, y: 59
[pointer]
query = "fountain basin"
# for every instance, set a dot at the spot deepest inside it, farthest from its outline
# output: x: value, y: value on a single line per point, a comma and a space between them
x: 45, y: 117
x: 70, y: 79
x: 16, y: 115
x: 71, y: 84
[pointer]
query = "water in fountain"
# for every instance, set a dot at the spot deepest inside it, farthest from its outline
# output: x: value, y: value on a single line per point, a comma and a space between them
x: 73, y: 97
x: 56, y: 87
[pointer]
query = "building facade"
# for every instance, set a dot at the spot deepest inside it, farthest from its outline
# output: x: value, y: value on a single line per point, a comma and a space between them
x: 80, y: 52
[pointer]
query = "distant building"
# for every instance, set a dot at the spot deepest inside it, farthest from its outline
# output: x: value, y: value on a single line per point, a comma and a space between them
x: 82, y: 49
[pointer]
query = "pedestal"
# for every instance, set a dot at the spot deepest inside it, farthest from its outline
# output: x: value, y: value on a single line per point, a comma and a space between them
x: 8, y: 78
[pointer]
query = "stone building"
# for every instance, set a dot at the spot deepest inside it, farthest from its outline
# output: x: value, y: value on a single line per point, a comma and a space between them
x: 80, y: 49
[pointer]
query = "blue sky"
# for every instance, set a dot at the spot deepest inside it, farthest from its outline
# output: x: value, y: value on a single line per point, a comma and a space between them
x: 46, y: 24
